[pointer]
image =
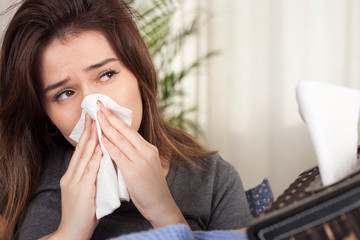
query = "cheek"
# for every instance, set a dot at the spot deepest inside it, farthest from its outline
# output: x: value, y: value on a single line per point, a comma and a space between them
x: 137, y: 116
x: 128, y: 96
x: 134, y: 104
x: 65, y: 120
x: 137, y: 108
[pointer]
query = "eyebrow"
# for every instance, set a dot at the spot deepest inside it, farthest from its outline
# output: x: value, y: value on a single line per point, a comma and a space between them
x: 100, y: 64
x: 92, y: 67
x: 56, y: 85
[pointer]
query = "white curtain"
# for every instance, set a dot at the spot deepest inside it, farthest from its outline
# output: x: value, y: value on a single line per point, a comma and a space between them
x: 5, y: 18
x: 247, y: 104
x: 245, y: 95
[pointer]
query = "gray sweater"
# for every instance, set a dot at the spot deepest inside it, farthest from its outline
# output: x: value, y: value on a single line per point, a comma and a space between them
x: 209, y: 200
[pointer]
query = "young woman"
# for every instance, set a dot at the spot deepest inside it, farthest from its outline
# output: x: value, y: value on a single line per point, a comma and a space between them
x: 54, y: 54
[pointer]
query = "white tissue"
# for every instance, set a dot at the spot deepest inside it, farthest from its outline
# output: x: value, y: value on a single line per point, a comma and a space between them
x: 331, y: 113
x: 110, y: 183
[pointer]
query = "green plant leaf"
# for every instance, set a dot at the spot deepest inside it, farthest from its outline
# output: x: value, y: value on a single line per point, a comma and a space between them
x: 165, y: 44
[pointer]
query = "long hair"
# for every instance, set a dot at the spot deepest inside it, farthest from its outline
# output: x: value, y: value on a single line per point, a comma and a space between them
x: 24, y: 142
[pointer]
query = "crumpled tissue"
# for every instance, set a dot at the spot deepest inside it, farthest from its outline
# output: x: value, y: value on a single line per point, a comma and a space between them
x: 111, y: 189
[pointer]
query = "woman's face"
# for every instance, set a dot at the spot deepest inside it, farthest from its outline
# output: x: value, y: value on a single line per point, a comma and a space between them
x: 84, y: 64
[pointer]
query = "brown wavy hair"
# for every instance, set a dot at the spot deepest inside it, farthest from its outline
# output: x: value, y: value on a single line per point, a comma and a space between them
x: 24, y: 142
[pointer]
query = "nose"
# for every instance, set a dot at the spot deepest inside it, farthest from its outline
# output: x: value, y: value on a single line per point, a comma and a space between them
x: 87, y: 90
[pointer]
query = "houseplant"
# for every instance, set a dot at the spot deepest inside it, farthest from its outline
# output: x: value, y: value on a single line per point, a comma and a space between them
x: 165, y: 40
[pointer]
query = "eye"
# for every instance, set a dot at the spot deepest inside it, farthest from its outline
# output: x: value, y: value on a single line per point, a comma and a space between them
x: 63, y: 95
x: 108, y: 75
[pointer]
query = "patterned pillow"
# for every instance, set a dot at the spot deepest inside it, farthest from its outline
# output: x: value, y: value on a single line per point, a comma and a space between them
x: 259, y: 198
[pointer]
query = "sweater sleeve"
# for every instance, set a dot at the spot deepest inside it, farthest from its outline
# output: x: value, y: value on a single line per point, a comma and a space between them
x: 229, y: 206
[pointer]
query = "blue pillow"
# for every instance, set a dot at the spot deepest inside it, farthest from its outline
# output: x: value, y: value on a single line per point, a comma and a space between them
x: 259, y: 198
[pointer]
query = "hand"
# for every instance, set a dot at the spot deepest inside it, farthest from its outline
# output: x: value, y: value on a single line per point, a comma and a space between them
x: 78, y: 188
x: 139, y: 162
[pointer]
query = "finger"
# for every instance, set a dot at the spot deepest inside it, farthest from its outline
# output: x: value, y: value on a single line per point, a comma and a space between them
x: 120, y: 159
x: 80, y: 145
x: 92, y: 168
x: 131, y: 134
x: 117, y: 139
x: 88, y: 152
x: 120, y: 139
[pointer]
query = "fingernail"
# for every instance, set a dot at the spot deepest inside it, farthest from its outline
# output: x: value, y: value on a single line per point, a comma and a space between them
x: 100, y: 104
x: 97, y: 149
x: 101, y: 114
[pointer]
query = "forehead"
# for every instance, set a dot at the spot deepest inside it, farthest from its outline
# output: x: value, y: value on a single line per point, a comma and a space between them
x: 74, y: 52
x: 90, y: 42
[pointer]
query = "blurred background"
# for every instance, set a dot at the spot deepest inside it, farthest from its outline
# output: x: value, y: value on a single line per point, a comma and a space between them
x: 245, y: 93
